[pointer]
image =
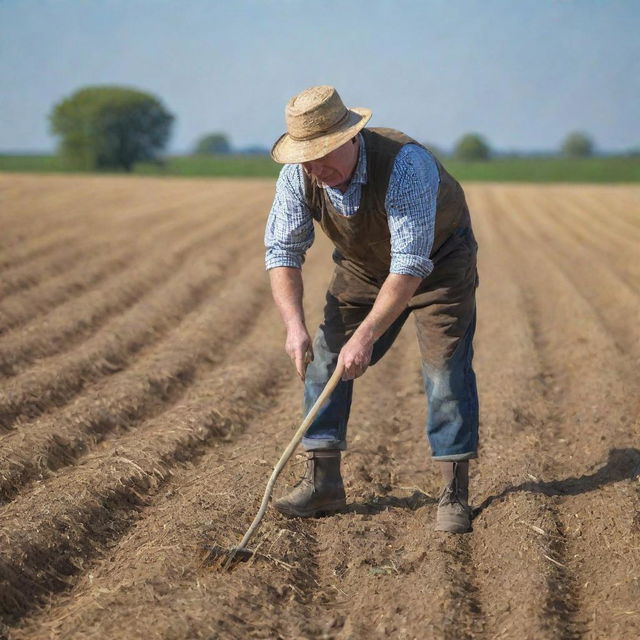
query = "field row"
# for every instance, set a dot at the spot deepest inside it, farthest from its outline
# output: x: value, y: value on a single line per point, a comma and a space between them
x: 143, y: 408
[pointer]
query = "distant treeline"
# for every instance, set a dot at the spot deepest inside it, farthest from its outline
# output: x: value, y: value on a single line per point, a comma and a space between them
x: 500, y: 169
x: 111, y: 128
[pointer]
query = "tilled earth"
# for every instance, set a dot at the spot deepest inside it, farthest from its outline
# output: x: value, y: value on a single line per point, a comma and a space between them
x: 145, y: 396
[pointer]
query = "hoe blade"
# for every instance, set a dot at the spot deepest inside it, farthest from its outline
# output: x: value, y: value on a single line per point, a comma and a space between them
x: 223, y: 557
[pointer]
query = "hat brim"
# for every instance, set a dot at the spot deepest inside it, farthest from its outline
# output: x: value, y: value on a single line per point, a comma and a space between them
x: 286, y: 150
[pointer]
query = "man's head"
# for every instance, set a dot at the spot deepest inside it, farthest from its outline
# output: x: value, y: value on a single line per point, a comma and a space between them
x: 318, y: 124
x: 335, y: 169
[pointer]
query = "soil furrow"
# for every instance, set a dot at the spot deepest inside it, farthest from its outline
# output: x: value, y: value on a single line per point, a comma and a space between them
x: 562, y: 602
x: 29, y: 302
x: 611, y: 300
x: 579, y: 219
x: 21, y: 308
x: 115, y: 491
x: 123, y: 400
x: 66, y: 255
x: 227, y: 481
x: 29, y: 275
x: 250, y: 382
x: 625, y: 201
x: 72, y: 322
x: 561, y: 607
x: 60, y: 204
x: 127, y: 241
x: 35, y: 249
x: 54, y: 381
x: 132, y: 207
x: 46, y: 542
x: 158, y: 568
x: 600, y: 210
x: 601, y: 408
x: 56, y: 201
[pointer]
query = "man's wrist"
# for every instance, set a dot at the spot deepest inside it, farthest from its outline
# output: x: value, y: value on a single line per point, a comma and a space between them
x: 293, y: 325
x: 367, y: 332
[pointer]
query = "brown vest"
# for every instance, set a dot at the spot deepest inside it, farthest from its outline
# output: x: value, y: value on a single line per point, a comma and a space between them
x: 362, y: 241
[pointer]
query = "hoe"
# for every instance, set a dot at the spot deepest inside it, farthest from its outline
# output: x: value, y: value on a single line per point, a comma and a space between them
x: 228, y: 557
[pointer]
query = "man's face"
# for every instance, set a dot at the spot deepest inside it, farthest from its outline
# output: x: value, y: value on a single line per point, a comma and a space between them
x: 335, y: 169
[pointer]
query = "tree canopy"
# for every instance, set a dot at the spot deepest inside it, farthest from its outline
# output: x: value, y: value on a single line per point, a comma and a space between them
x: 577, y: 145
x: 472, y: 146
x: 212, y: 144
x: 110, y: 127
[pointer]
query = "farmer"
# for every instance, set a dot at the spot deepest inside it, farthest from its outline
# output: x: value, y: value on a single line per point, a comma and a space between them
x: 403, y: 246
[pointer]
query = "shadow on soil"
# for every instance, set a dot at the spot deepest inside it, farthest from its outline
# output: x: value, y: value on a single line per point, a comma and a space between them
x: 377, y: 504
x: 622, y: 464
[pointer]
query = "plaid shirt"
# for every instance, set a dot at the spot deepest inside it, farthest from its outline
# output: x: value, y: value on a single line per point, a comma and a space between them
x: 410, y: 204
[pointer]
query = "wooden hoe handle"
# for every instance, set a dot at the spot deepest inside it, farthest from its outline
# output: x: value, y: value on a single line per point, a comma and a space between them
x: 326, y: 392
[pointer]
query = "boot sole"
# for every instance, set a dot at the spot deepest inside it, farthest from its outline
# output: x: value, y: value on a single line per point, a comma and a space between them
x: 452, y: 526
x: 327, y: 509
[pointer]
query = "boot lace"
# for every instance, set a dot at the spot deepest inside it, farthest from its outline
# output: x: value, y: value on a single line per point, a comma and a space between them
x: 450, y: 495
x: 307, y: 476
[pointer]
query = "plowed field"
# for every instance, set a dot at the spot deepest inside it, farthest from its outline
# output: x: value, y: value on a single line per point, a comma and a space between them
x: 145, y: 395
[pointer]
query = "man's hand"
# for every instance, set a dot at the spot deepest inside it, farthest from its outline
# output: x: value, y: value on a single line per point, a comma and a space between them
x: 356, y: 354
x: 286, y: 286
x: 298, y: 347
x: 393, y: 298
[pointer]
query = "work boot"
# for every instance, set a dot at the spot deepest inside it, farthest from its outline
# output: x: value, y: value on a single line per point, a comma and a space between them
x: 454, y: 513
x: 319, y: 490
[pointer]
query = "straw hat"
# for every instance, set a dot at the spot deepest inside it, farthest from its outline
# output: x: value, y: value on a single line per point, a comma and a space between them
x: 317, y: 123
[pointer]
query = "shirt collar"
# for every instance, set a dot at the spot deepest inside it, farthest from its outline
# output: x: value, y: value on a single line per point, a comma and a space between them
x: 360, y: 174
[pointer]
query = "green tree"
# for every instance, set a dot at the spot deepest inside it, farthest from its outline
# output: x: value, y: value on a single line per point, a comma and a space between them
x: 577, y: 145
x: 212, y: 144
x: 472, y: 146
x: 110, y: 127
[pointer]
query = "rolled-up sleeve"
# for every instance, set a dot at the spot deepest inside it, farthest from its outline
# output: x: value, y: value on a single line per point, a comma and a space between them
x: 411, y: 211
x: 289, y: 231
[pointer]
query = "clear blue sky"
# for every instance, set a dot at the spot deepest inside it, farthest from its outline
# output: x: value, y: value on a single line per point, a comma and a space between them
x: 521, y: 72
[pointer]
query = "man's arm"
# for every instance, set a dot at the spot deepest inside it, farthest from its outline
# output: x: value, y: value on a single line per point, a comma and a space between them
x: 289, y: 231
x: 288, y: 235
x: 287, y: 289
x: 392, y: 300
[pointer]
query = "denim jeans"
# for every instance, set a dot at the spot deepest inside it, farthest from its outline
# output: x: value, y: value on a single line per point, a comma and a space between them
x: 449, y: 383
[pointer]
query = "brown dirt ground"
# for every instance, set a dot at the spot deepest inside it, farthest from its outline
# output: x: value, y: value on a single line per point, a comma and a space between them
x: 145, y: 396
